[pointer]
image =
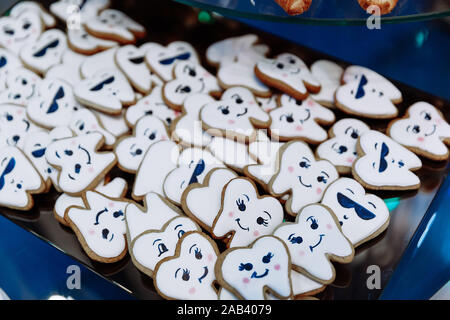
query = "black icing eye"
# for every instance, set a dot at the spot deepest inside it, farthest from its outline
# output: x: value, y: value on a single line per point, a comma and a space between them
x: 105, y: 233
x: 342, y: 149
x: 185, y: 275
x: 427, y: 116
x: 225, y: 110
x: 9, y: 117
x: 118, y: 214
x: 198, y: 254
x: 68, y: 152
x: 152, y: 136
x: 245, y: 266
x: 261, y: 221
x: 138, y: 151
x: 24, y: 82
x: 289, y: 118
x: 104, y: 21
x: 180, y: 233
x: 186, y: 89
x: 280, y: 66
x: 239, y: 101
x: 304, y: 164
x: 416, y: 129
x: 267, y: 257
x: 192, y: 72
x: 168, y: 120
x: 162, y: 249
x: 314, y: 224
x: 241, y: 204
x: 149, y: 112
x: 9, y: 32
x: 322, y: 179
x: 26, y: 25
x: 295, y: 240
x: 81, y: 127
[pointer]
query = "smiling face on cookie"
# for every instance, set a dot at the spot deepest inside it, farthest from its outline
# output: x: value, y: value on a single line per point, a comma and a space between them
x: 425, y: 129
x: 84, y: 121
x: 84, y: 42
x: 17, y: 178
x: 189, y: 275
x: 15, y: 126
x: 8, y: 61
x: 385, y: 164
x: 131, y: 150
x: 302, y: 176
x: 45, y: 51
x: 246, y: 215
x: 252, y: 271
x: 15, y: 32
x: 314, y: 235
x: 21, y: 86
x: 79, y: 162
x: 341, y: 149
x: 151, y: 247
x: 236, y: 112
x: 55, y: 104
x: 102, y: 226
x: 300, y: 119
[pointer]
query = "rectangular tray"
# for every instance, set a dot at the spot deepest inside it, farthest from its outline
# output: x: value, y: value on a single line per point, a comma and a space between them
x: 168, y: 21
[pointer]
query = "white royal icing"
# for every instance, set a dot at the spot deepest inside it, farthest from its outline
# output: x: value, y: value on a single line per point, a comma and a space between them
x: 340, y: 150
x: 268, y: 104
x: 153, y: 216
x: 18, y: 178
x: 55, y: 104
x: 15, y: 126
x: 35, y: 7
x: 300, y: 119
x: 69, y: 69
x: 131, y: 61
x: 289, y: 70
x: 190, y: 78
x: 79, y: 39
x: 116, y: 125
x: 107, y: 90
x: 244, y: 215
x: 102, y: 226
x: 312, y: 239
x: 253, y: 271
x: 160, y: 159
x: 424, y: 128
x: 15, y: 32
x: 116, y: 188
x: 300, y: 175
x: 152, y: 246
x: 192, y: 166
x: 79, y: 162
x: 237, y: 113
x: 152, y: 104
x: 102, y: 60
x: 44, y: 52
x: 360, y: 215
x: 385, y: 163
x: 234, y: 154
x: 161, y: 60
x: 8, y: 61
x: 329, y: 75
x: 301, y: 284
x: 189, y: 275
x: 130, y: 150
x: 203, y: 201
x: 367, y: 93
x: 21, y: 86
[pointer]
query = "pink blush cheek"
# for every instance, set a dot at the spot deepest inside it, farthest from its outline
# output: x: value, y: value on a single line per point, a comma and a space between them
x: 298, y: 128
x: 91, y: 232
x: 421, y: 139
x: 319, y: 190
x: 210, y: 257
x: 192, y: 291
x: 301, y: 253
x: 230, y: 121
x: 90, y: 169
x: 246, y: 280
x: 291, y: 169
x: 277, y: 267
x: 311, y: 103
x: 329, y: 226
x: 255, y: 233
x: 231, y: 214
x: 94, y: 127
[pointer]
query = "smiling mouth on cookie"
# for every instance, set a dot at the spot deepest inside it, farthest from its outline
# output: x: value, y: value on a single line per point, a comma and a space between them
x: 305, y: 185
x: 432, y: 131
x: 240, y: 226
x: 205, y: 273
x: 257, y: 276
x: 320, y: 240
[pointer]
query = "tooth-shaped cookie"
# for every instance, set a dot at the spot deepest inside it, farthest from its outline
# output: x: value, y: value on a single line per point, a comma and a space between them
x: 81, y: 41
x: 329, y: 75
x: 21, y: 86
x: 8, y: 61
x: 15, y: 32
x: 23, y: 6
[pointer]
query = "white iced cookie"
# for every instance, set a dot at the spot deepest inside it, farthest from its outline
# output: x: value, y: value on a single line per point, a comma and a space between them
x: 15, y: 126
x: 21, y: 86
x: 340, y: 149
x: 70, y: 10
x: 287, y: 73
x: 314, y: 240
x: 190, y: 78
x: 116, y: 125
x: 235, y: 115
x: 383, y: 164
x: 84, y: 121
x: 152, y: 104
x: 300, y: 119
x: 229, y: 50
x: 423, y: 130
x: 96, y: 62
x: 130, y: 150
x: 155, y: 213
x: 15, y: 32
x: 232, y: 153
x: 107, y: 91
x: 361, y: 216
x: 55, y: 104
x: 161, y: 60
x: 45, y: 52
x: 115, y: 25
x: 189, y: 273
x: 300, y: 176
x: 368, y: 94
x: 18, y: 179
x: 268, y: 104
x: 115, y: 188
x: 192, y: 166
x: 80, y: 165
x: 202, y: 201
x: 329, y: 75
x: 69, y: 69
x: 160, y: 159
x: 34, y: 149
x: 151, y: 246
x: 81, y: 41
x: 251, y: 273
x: 24, y: 6
x: 187, y: 128
x: 100, y: 226
x: 8, y: 61
x: 245, y: 215
x: 304, y: 286
x: 131, y: 61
